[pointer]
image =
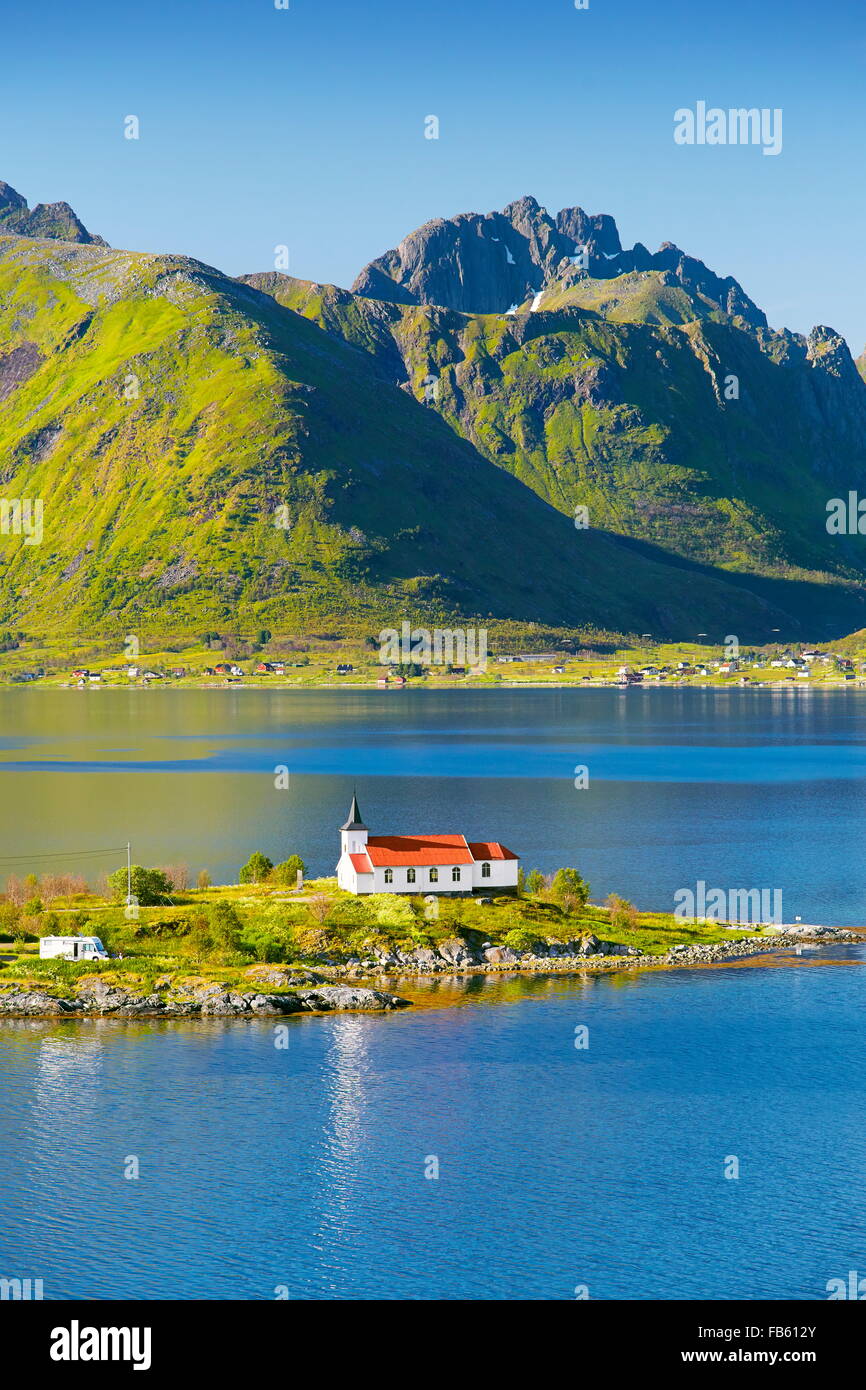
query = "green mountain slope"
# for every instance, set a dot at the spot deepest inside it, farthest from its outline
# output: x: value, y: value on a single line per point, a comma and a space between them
x: 272, y: 452
x: 710, y: 439
x: 164, y: 414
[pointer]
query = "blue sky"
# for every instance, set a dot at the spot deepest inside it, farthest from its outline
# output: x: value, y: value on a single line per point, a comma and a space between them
x: 305, y: 127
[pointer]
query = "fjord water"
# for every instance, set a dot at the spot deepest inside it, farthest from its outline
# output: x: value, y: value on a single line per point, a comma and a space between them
x: 741, y: 788
x: 263, y: 1170
x: 303, y: 1168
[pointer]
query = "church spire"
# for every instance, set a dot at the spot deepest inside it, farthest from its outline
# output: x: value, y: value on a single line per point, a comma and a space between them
x: 354, y: 822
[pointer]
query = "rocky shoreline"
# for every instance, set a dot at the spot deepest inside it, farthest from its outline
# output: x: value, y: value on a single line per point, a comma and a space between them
x: 298, y: 991
x: 100, y: 999
x: 457, y: 957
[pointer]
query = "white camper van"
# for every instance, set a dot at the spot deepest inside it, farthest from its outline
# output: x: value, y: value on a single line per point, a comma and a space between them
x: 72, y: 948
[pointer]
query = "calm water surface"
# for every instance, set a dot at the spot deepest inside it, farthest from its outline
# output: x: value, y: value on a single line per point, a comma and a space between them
x: 304, y: 1167
x: 738, y: 788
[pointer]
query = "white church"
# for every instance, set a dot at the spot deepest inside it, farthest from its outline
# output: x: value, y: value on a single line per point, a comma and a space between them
x: 420, y: 863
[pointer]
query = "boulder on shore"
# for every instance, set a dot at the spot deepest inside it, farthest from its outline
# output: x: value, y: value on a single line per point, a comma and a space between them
x: 338, y: 997
x: 35, y: 1002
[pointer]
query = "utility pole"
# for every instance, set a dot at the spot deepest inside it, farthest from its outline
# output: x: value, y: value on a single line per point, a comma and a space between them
x: 128, y: 874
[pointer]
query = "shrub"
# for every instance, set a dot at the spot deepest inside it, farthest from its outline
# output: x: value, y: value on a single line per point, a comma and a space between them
x: 310, y: 941
x: 226, y: 927
x: 519, y: 940
x: 204, y: 879
x: 198, y: 940
x: 349, y: 912
x: 319, y: 908
x: 389, y: 910
x: 272, y: 945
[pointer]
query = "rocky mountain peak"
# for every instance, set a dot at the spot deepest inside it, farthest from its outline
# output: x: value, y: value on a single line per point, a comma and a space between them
x: 9, y: 198
x: 56, y: 221
x: 488, y: 263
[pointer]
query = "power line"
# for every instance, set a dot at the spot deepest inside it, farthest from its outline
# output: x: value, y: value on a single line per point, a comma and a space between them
x: 62, y: 854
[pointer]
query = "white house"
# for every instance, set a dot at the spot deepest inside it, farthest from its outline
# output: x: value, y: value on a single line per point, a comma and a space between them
x: 420, y: 863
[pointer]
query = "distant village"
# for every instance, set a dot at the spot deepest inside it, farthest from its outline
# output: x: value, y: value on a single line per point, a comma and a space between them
x: 752, y: 668
x: 790, y: 666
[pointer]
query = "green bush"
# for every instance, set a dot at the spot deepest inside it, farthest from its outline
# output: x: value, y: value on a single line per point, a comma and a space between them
x: 226, y: 926
x: 271, y: 948
x: 389, y: 910
x: 520, y: 940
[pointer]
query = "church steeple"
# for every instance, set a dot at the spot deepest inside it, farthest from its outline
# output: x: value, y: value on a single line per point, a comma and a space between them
x: 354, y: 822
x: 353, y: 835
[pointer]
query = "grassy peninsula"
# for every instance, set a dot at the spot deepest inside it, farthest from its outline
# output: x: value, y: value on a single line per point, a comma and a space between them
x: 235, y: 936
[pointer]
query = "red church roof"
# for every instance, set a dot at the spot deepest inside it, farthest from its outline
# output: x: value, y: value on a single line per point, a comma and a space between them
x: 489, y: 849
x: 391, y: 851
x: 408, y: 851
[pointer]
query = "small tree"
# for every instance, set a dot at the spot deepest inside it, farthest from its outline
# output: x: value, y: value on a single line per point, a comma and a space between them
x: 49, y: 925
x: 15, y: 890
x: 178, y: 876
x: 27, y: 925
x: 535, y: 881
x: 204, y: 879
x: 286, y: 873
x: 257, y: 868
x: 623, y: 914
x: 10, y: 914
x: 569, y: 889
